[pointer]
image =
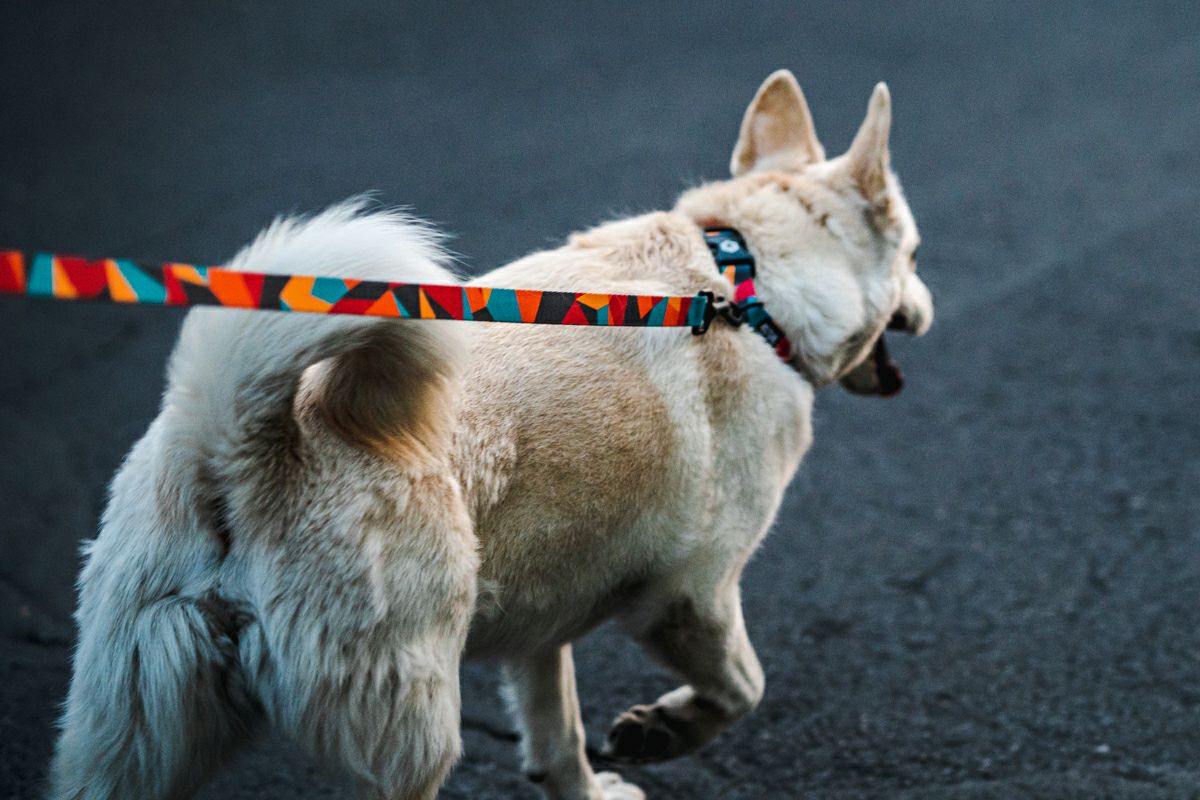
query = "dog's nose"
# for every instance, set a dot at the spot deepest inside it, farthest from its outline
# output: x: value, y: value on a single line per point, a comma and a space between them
x: 898, y: 322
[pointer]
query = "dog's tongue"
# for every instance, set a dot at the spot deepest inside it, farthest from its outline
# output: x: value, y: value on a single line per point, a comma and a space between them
x: 891, y: 379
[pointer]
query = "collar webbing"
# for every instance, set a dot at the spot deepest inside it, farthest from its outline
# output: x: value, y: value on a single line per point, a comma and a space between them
x: 122, y: 281
x: 736, y: 263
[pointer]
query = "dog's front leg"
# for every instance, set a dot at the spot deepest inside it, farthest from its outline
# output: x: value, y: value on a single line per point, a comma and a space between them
x: 546, y: 709
x: 701, y: 636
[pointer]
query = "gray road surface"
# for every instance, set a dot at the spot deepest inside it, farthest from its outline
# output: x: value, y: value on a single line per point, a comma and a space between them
x: 986, y: 588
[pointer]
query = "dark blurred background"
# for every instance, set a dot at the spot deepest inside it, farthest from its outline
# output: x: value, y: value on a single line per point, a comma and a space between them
x: 987, y: 587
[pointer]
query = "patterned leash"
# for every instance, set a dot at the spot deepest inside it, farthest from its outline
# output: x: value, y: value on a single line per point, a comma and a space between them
x: 122, y: 281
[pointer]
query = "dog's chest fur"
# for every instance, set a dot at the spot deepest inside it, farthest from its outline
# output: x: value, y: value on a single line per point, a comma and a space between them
x: 603, y: 465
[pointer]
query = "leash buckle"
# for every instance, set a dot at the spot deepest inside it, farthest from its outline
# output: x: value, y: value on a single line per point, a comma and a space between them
x: 732, y: 313
x: 715, y: 307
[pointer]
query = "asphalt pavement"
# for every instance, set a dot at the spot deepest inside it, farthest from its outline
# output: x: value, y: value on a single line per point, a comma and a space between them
x: 988, y: 587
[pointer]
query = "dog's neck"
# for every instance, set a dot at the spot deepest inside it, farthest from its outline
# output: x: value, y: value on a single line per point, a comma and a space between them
x: 818, y: 324
x: 740, y: 267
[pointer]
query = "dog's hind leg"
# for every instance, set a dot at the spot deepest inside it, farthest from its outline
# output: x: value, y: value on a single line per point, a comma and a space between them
x: 381, y: 711
x: 363, y: 609
x: 156, y: 703
x: 702, y: 638
x: 546, y: 707
x: 388, y: 722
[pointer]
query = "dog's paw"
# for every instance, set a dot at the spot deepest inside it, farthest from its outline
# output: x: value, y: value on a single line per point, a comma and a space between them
x: 645, y: 733
x: 616, y: 789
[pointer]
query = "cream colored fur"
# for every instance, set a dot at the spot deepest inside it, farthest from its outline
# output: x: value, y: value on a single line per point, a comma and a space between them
x: 329, y: 512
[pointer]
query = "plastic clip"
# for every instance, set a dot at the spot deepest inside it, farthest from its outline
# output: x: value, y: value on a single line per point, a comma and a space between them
x: 710, y: 313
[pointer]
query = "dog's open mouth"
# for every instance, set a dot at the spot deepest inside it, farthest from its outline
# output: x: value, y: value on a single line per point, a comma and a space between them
x: 887, y: 371
x: 879, y: 374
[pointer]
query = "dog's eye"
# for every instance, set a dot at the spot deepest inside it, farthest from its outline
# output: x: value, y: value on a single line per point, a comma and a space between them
x: 916, y: 250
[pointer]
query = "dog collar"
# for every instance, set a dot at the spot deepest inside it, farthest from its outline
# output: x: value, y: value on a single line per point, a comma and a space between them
x: 736, y: 263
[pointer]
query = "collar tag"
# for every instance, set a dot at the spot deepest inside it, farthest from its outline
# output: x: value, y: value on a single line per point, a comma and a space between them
x: 729, y: 250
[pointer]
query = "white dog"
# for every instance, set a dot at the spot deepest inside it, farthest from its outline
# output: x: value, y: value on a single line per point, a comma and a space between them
x: 329, y: 512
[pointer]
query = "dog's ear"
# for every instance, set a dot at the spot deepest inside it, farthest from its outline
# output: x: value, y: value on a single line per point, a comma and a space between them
x: 777, y: 131
x: 868, y: 158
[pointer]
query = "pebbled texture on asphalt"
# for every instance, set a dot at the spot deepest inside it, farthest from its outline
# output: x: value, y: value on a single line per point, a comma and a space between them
x: 988, y: 587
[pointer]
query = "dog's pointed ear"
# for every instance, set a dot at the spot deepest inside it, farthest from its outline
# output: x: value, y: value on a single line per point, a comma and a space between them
x: 777, y: 131
x: 868, y: 158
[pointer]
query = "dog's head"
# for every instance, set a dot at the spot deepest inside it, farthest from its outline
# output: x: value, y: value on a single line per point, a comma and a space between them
x: 835, y: 240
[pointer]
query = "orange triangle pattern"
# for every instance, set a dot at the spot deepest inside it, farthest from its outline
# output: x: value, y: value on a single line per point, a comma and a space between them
x: 528, y: 301
x: 594, y: 301
x: 230, y: 288
x: 118, y: 285
x: 426, y: 311
x: 385, y: 306
x: 62, y: 284
x: 645, y: 303
x: 671, y: 317
x: 477, y: 297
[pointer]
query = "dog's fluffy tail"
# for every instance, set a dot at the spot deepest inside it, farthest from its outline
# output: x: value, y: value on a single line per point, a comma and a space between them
x: 382, y: 382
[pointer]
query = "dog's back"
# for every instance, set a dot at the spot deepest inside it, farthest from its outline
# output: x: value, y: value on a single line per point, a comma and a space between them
x: 286, y: 543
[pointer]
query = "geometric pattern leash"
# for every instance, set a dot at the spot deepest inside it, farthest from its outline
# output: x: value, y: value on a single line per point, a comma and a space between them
x: 122, y: 281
